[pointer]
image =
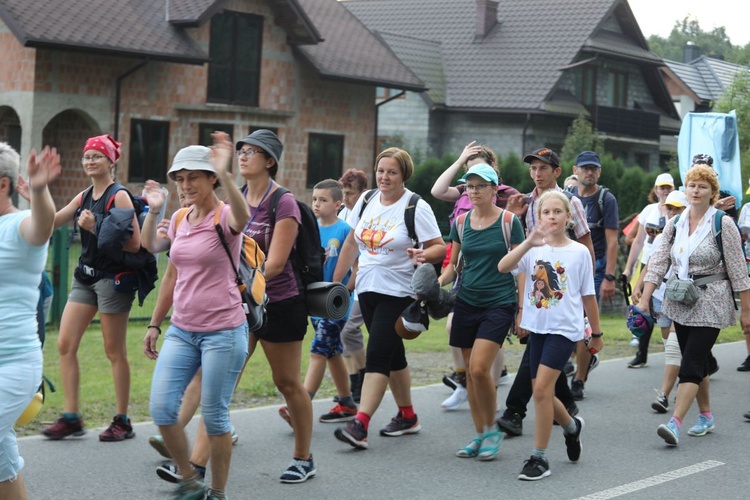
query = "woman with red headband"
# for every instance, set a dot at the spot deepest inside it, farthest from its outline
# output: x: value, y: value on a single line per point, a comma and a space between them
x: 94, y: 290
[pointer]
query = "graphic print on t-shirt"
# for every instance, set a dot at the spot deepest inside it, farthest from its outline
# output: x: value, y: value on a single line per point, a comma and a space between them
x: 332, y: 248
x: 549, y: 284
x: 374, y: 235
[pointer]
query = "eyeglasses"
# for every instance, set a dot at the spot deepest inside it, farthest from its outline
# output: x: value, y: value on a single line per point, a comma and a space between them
x: 476, y: 187
x: 86, y: 159
x: 249, y: 152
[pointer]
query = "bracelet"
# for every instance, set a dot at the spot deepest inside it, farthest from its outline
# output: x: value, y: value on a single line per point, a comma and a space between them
x: 597, y: 335
x: 154, y: 326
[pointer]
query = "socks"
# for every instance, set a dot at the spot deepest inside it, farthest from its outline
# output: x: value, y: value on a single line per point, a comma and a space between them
x: 70, y: 416
x: 571, y: 428
x: 124, y: 418
x: 407, y: 411
x: 347, y: 401
x: 364, y: 418
x: 539, y: 452
x: 218, y: 494
x: 677, y: 422
x: 707, y: 414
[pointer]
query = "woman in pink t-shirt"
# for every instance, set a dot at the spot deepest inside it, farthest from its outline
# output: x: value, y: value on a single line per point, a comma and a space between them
x: 209, y: 328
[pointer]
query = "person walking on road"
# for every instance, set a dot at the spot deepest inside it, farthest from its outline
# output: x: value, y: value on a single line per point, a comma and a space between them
x: 554, y: 320
x: 691, y: 248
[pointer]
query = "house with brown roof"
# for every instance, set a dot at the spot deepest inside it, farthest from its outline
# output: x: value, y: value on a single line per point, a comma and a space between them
x: 514, y: 74
x: 162, y: 74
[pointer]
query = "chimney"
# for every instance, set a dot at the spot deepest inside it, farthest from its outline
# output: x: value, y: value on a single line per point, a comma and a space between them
x: 486, y: 17
x: 690, y: 52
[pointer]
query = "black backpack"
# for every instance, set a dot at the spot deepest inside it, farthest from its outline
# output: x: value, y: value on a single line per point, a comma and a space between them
x: 308, y: 254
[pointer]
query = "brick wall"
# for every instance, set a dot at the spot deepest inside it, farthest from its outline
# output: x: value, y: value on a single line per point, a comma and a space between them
x: 16, y: 64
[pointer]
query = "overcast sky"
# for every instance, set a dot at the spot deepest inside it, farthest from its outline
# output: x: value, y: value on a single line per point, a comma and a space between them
x: 656, y: 17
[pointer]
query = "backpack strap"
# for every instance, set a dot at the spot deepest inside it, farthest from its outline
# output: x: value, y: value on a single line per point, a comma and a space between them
x: 368, y: 196
x: 716, y: 230
x: 507, y: 226
x: 275, y: 197
x: 181, y: 213
x: 409, y: 214
x: 460, y: 224
x: 114, y: 189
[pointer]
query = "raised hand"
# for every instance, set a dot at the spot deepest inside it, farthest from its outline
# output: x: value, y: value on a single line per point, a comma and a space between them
x: 470, y: 150
x: 223, y: 152
x: 43, y: 168
x: 22, y: 188
x: 537, y: 236
x: 154, y: 194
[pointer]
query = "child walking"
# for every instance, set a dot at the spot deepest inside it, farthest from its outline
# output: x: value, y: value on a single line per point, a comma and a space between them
x: 326, y: 347
x: 554, y: 319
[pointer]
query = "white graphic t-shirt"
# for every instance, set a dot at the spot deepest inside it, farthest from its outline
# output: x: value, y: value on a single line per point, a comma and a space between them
x: 556, y: 280
x: 382, y: 239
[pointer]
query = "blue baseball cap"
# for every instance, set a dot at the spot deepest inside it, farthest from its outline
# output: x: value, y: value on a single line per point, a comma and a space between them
x: 588, y: 158
x: 482, y: 170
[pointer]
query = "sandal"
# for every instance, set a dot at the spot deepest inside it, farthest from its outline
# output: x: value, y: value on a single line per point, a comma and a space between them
x: 471, y: 450
x: 490, y: 447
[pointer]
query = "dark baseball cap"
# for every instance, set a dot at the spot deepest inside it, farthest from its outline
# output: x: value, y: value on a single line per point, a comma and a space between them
x: 703, y: 159
x: 544, y: 154
x: 266, y: 140
x: 588, y: 158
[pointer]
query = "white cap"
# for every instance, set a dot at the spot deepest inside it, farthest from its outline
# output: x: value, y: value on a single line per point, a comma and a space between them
x: 676, y: 199
x: 664, y: 180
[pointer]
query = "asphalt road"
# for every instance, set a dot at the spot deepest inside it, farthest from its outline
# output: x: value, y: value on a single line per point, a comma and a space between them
x: 622, y: 455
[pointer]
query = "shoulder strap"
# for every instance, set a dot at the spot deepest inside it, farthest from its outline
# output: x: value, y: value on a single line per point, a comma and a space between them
x: 507, y: 225
x: 368, y: 196
x: 85, y: 194
x: 716, y: 230
x: 674, y: 233
x: 409, y: 214
x: 223, y: 240
x: 113, y: 189
x: 275, y: 197
x: 460, y: 224
x: 181, y: 213
x: 603, y: 190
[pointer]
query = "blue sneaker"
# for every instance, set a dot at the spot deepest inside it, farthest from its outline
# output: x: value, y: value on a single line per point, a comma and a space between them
x: 669, y: 433
x: 188, y: 491
x: 704, y: 426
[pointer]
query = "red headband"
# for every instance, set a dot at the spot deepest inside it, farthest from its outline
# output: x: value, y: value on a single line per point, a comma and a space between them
x: 105, y: 144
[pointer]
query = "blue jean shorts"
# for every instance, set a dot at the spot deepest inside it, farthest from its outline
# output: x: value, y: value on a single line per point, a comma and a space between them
x: 21, y: 374
x: 327, y: 341
x: 221, y: 354
x: 661, y: 319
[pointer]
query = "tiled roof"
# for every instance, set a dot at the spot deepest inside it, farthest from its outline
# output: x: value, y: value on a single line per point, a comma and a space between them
x: 617, y: 44
x: 517, y: 64
x: 424, y: 57
x: 352, y: 52
x: 131, y: 27
x: 189, y: 11
x: 706, y: 76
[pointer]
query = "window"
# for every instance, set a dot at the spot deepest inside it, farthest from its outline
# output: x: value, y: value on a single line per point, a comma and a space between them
x: 618, y: 89
x: 149, y: 148
x: 643, y: 160
x: 206, y: 129
x: 235, y: 51
x: 325, y: 158
x: 585, y: 85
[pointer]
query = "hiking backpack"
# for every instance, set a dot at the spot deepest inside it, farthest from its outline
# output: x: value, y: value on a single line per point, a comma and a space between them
x: 308, y: 254
x: 602, y: 192
x: 409, y: 213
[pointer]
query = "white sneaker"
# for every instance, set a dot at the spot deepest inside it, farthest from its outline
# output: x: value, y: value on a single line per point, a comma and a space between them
x: 634, y: 342
x: 455, y: 400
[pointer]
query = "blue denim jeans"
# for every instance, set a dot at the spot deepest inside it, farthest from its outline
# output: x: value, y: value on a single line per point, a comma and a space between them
x: 20, y: 376
x: 221, y: 354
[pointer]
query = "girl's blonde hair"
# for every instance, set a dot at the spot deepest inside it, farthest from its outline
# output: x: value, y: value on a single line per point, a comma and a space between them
x: 555, y: 195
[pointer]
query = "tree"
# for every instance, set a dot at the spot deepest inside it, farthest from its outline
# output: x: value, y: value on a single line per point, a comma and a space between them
x: 712, y: 43
x: 581, y: 137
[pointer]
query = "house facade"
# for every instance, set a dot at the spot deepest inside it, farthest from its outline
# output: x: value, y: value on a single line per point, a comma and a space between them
x: 162, y: 75
x: 514, y: 75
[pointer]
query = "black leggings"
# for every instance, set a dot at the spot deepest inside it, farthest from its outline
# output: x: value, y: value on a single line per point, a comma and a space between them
x: 695, y: 345
x: 385, y: 349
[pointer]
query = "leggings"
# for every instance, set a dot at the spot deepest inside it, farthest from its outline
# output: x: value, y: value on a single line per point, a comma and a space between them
x: 385, y: 349
x: 695, y: 345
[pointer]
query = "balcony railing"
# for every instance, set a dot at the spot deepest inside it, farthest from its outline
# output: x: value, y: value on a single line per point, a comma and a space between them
x: 628, y: 122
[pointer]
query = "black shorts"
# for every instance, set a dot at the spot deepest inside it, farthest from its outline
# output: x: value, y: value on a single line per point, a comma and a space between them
x: 471, y: 323
x: 287, y: 321
x: 549, y: 349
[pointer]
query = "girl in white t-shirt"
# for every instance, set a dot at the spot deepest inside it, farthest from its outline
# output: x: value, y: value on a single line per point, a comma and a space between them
x: 553, y: 316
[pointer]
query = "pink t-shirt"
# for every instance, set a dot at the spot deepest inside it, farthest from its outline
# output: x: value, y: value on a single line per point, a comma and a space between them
x: 206, y: 298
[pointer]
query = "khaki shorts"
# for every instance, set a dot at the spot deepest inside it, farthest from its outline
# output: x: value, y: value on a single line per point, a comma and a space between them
x: 102, y: 294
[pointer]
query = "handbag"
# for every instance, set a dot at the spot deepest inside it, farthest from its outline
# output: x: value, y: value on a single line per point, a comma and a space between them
x: 250, y: 279
x: 682, y: 291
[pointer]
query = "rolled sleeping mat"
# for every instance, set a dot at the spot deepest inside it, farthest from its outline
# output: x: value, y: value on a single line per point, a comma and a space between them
x: 328, y: 300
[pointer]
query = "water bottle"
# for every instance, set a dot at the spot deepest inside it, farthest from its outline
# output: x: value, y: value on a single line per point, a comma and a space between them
x: 586, y: 330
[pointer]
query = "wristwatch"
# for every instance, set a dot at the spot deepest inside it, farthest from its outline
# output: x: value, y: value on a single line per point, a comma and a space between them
x: 597, y: 335
x: 609, y: 277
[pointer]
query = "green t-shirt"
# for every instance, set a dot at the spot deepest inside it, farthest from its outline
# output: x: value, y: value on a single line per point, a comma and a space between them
x: 482, y: 285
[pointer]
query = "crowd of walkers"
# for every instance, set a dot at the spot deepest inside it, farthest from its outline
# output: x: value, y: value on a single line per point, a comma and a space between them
x: 534, y: 265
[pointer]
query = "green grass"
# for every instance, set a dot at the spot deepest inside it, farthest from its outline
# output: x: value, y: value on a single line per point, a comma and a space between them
x: 428, y: 359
